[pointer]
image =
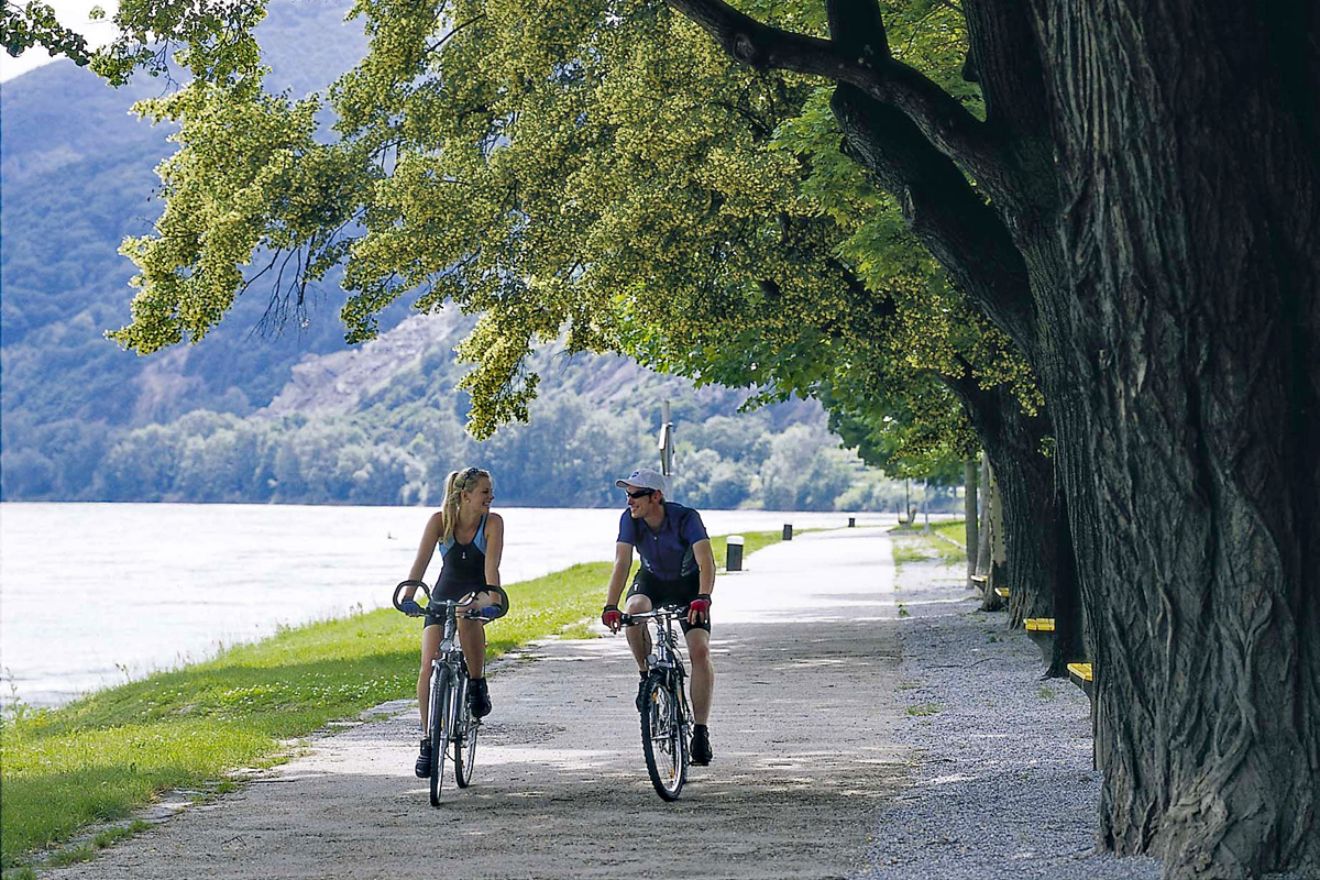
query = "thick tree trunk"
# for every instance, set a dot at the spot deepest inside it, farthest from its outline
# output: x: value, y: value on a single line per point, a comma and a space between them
x: 1185, y: 387
x: 1153, y: 178
x: 1035, y: 540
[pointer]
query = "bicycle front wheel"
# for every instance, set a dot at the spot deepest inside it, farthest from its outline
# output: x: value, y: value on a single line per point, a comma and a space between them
x: 465, y: 741
x: 663, y: 742
x: 442, y: 698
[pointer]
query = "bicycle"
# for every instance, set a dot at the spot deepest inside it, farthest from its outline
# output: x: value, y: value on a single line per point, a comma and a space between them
x: 666, y: 715
x: 449, y: 717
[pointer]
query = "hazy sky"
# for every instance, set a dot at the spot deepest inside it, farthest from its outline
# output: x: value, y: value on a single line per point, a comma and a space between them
x: 72, y: 14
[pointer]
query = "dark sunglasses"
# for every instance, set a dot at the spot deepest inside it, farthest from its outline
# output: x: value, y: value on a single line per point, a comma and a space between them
x: 640, y: 493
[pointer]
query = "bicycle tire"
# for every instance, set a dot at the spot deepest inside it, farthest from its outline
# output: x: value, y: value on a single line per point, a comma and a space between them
x: 663, y: 742
x: 442, y: 691
x: 465, y: 743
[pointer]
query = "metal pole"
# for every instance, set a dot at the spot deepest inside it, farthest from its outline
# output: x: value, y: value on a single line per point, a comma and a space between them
x: 666, y: 441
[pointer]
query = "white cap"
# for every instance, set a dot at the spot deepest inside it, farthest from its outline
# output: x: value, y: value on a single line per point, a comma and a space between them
x: 643, y: 478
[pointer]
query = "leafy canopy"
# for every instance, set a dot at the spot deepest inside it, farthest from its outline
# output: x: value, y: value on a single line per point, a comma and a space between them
x: 599, y: 170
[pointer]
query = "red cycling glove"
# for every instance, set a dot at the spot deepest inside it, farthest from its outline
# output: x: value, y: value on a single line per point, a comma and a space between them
x: 699, y: 605
x: 612, y: 617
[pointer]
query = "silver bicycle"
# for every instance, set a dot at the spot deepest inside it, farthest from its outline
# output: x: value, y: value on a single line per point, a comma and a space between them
x: 451, y: 725
x: 666, y: 716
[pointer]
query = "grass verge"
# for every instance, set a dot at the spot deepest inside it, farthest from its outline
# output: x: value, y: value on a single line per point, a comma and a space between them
x: 919, y: 546
x: 107, y: 754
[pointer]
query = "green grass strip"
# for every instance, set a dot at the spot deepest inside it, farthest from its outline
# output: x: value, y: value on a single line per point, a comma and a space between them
x: 100, y: 758
x: 954, y: 530
x: 914, y: 545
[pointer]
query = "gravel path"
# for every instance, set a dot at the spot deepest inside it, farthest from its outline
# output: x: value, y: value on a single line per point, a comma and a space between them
x: 863, y: 728
x: 1002, y: 779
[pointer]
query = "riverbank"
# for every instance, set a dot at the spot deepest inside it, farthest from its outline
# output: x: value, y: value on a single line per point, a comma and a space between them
x: 870, y: 723
x: 102, y: 757
x: 804, y: 645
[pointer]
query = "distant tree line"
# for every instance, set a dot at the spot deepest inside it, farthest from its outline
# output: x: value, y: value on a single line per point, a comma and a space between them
x: 567, y: 456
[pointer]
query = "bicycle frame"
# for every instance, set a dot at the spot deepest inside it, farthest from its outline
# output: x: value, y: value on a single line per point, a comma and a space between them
x: 449, y: 719
x: 668, y: 672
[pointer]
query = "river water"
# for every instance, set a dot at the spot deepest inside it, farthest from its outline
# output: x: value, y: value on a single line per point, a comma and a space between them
x: 92, y: 595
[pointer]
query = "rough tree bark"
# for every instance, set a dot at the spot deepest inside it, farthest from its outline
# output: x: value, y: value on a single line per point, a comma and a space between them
x: 1144, y: 225
x: 1025, y: 480
x: 1188, y: 159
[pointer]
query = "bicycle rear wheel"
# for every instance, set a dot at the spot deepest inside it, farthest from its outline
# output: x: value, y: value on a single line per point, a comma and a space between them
x: 663, y: 742
x: 442, y: 696
x: 465, y: 740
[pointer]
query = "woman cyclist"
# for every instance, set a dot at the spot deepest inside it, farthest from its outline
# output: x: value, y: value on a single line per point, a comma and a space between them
x: 471, y: 541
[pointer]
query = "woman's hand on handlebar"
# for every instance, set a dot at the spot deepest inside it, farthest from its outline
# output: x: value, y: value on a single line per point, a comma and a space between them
x: 403, y: 597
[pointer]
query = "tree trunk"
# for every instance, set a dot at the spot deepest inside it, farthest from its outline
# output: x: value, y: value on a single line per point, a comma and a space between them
x: 1151, y: 174
x: 983, y: 537
x: 1184, y: 380
x: 1022, y: 493
x: 969, y: 518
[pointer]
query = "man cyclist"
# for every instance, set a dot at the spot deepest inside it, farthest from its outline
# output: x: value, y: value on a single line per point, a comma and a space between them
x: 678, y: 567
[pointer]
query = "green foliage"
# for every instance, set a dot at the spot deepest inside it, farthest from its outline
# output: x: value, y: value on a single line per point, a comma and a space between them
x: 594, y: 170
x: 35, y: 24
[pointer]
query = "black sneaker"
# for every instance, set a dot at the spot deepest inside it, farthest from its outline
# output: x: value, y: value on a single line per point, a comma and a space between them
x: 641, y: 692
x: 701, y: 753
x: 423, y: 768
x: 479, y: 698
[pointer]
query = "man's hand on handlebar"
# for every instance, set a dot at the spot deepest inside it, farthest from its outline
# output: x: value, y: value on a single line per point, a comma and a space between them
x: 699, y: 609
x: 612, y: 617
x: 411, y: 608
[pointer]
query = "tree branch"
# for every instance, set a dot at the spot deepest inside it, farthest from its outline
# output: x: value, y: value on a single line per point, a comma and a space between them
x: 950, y: 217
x: 862, y: 61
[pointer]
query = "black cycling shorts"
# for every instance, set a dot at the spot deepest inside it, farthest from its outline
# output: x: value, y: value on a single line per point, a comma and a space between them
x: 676, y: 592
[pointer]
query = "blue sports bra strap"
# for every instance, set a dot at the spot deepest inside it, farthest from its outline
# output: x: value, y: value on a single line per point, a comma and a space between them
x: 479, y: 539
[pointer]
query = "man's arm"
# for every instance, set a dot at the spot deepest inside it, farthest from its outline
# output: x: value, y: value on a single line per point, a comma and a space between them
x: 699, y: 609
x: 705, y: 557
x: 623, y: 557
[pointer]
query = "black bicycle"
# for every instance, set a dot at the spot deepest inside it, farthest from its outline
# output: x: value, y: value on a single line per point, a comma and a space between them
x: 666, y: 716
x: 450, y: 724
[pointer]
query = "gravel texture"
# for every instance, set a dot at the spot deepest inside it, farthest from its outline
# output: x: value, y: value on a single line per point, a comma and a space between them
x: 1002, y: 782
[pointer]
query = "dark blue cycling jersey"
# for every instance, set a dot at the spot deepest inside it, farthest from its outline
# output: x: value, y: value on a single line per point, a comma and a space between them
x: 667, y: 551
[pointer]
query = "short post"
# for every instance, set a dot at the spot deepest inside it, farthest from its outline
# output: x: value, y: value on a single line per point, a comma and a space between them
x: 788, y: 531
x: 733, y: 552
x: 852, y: 522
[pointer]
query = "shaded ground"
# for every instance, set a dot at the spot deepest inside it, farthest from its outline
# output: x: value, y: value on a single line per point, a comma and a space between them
x: 806, y: 652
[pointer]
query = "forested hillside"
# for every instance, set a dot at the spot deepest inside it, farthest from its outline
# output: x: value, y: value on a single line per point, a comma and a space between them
x: 280, y: 410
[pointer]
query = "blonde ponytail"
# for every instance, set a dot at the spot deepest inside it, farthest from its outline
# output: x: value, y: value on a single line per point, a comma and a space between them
x: 456, y: 484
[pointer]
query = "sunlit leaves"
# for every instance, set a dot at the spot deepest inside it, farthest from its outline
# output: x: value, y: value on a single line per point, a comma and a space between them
x: 598, y: 170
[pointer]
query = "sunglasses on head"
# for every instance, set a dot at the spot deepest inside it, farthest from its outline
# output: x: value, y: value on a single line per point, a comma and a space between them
x: 640, y: 493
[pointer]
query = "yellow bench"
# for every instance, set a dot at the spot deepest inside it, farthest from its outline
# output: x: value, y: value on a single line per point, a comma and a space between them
x: 1041, y: 631
x: 1080, y: 675
x: 1001, y: 592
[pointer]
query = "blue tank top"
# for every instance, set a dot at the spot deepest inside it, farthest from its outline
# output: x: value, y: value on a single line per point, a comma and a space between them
x: 463, y: 568
x: 478, y: 540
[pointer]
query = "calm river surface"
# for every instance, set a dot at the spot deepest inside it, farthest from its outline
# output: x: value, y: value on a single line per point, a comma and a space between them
x: 94, y: 594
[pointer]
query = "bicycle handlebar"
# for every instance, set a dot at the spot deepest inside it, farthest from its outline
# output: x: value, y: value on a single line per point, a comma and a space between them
x: 662, y: 611
x: 434, y: 607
